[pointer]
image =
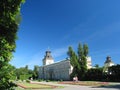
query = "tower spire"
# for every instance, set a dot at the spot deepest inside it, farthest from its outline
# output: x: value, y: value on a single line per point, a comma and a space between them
x: 48, y: 58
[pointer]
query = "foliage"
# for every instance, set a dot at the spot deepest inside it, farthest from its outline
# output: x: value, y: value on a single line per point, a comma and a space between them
x: 74, y: 62
x: 25, y: 76
x: 94, y: 74
x: 96, y: 66
x: 23, y: 73
x: 78, y: 61
x: 113, y: 73
x: 28, y: 81
x: 82, y: 55
x: 5, y: 76
x: 97, y: 74
x: 35, y: 72
x: 9, y: 21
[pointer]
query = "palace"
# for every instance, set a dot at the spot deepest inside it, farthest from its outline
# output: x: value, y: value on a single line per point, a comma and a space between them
x: 57, y: 70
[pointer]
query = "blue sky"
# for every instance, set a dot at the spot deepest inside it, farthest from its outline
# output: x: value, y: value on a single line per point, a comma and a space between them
x: 58, y: 24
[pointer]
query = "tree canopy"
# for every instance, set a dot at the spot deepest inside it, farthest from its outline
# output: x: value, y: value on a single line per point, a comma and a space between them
x: 9, y: 22
x: 79, y: 60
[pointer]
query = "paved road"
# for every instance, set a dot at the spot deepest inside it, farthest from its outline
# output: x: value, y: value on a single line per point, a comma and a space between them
x: 115, y: 86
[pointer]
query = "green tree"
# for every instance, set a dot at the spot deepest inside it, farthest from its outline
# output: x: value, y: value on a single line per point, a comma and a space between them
x: 35, y: 72
x: 94, y: 74
x: 23, y: 73
x: 96, y: 66
x: 74, y: 62
x: 113, y: 73
x: 85, y: 50
x: 79, y: 60
x: 73, y: 57
x: 9, y: 21
x: 26, y: 67
x: 82, y: 54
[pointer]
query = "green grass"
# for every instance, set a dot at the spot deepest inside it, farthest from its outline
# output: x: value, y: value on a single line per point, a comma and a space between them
x: 86, y: 83
x: 18, y: 88
x: 34, y: 86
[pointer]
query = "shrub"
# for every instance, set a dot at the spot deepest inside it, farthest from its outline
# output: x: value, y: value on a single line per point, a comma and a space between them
x: 28, y: 81
x: 94, y: 74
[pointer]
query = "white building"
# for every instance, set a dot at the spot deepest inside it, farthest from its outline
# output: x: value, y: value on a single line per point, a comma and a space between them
x: 108, y: 63
x: 59, y: 70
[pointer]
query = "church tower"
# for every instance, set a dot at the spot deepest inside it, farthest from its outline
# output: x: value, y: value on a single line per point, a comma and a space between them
x: 48, y: 58
x: 108, y: 63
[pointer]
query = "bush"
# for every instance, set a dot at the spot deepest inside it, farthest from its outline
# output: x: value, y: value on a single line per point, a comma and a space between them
x: 113, y: 73
x: 40, y: 80
x: 47, y: 80
x: 24, y: 77
x: 13, y: 78
x: 28, y: 81
x: 94, y: 74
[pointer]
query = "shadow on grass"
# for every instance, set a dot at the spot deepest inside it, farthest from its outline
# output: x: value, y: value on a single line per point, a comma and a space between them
x: 117, y: 86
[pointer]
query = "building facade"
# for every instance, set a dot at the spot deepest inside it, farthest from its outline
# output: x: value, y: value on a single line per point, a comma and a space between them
x: 57, y: 70
x: 108, y: 63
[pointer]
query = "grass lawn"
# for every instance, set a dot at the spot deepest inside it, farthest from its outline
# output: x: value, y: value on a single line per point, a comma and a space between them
x: 86, y: 83
x: 35, y: 86
x: 19, y: 88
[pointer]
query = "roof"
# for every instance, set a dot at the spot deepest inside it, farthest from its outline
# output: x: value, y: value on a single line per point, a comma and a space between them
x: 108, y: 60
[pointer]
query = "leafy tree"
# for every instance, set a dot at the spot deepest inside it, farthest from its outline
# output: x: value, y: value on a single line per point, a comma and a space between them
x: 73, y: 57
x: 23, y: 73
x: 9, y: 21
x: 12, y: 69
x: 6, y: 74
x: 78, y: 61
x: 74, y: 62
x: 113, y: 73
x: 26, y: 67
x: 96, y: 66
x: 35, y: 72
x: 85, y: 50
x: 94, y: 74
x: 82, y: 54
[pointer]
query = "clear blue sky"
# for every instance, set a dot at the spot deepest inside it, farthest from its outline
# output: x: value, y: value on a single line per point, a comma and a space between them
x: 58, y: 24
